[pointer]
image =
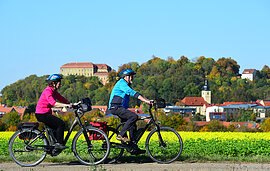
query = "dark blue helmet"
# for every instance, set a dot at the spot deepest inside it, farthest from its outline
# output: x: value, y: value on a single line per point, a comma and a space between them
x: 54, y: 78
x: 126, y: 72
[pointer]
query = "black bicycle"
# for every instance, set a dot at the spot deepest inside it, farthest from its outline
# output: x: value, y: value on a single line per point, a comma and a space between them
x: 163, y: 144
x: 29, y: 146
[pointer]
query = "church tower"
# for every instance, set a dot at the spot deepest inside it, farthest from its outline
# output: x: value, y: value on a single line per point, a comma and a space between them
x: 206, y: 93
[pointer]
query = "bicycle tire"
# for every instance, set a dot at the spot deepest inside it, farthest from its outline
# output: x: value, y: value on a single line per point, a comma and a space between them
x: 99, y: 150
x: 159, y: 153
x: 21, y: 153
x: 116, y: 150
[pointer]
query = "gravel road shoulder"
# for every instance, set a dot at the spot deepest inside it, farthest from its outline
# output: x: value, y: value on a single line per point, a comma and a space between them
x: 144, y: 166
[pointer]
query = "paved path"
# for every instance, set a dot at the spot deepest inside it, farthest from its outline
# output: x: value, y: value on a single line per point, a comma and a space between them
x: 145, y: 166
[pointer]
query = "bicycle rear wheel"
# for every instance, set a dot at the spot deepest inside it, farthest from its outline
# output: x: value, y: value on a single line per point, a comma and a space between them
x: 98, y: 150
x: 24, y: 154
x: 165, y: 152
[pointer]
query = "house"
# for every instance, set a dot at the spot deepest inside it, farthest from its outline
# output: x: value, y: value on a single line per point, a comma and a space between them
x: 262, y: 112
x: 4, y: 110
x: 184, y: 111
x: 195, y: 102
x: 87, y: 69
x: 264, y: 102
x: 199, y: 103
x: 249, y: 74
x: 219, y: 111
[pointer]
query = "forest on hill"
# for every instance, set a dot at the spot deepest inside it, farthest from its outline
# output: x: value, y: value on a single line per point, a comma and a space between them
x: 157, y: 78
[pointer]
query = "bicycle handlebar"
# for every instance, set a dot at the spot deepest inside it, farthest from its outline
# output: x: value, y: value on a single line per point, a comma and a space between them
x: 82, y: 106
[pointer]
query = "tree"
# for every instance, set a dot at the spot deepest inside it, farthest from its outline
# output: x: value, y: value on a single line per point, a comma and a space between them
x: 228, y: 66
x: 266, y: 125
x: 101, y: 96
x: 191, y: 90
x: 182, y: 61
x: 156, y: 77
x: 266, y: 69
x: 215, y: 125
x: 11, y: 119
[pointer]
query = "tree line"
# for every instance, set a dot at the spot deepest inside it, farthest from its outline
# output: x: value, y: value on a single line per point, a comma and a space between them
x: 169, y: 79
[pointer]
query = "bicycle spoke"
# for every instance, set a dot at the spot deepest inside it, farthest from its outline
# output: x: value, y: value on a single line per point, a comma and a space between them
x: 24, y: 155
x: 165, y: 152
x: 117, y: 149
x: 97, y: 151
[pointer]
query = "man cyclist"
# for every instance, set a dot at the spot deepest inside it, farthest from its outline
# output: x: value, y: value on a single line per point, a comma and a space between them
x: 119, y: 104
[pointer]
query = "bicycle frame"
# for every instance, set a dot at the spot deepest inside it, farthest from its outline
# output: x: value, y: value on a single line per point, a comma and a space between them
x: 137, y: 138
x: 77, y: 121
x: 150, y: 122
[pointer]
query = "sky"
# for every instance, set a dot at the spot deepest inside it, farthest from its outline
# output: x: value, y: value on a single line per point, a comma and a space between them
x: 38, y: 37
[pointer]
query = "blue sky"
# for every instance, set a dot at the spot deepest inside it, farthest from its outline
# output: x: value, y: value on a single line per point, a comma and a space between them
x: 37, y: 37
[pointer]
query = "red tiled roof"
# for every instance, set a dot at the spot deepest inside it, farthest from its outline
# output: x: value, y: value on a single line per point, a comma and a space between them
x: 20, y: 110
x: 237, y: 103
x: 78, y: 65
x: 201, y: 123
x: 101, y: 73
x: 102, y: 66
x: 194, y: 101
x: 258, y: 101
x: 253, y: 125
x: 187, y: 119
x: 249, y: 71
x: 266, y: 102
x: 6, y: 109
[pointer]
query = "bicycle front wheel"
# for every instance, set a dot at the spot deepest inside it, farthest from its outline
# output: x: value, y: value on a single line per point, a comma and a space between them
x: 24, y: 152
x: 98, y: 149
x: 164, y: 146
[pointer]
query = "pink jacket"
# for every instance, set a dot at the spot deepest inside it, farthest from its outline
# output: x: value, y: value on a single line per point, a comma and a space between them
x: 47, y: 100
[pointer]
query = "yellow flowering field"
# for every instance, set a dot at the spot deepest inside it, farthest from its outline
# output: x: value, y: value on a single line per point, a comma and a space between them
x: 198, y: 143
x: 194, y: 135
x: 225, y: 135
x: 7, y: 135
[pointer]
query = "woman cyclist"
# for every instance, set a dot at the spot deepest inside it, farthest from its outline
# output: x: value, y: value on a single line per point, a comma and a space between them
x: 46, y: 101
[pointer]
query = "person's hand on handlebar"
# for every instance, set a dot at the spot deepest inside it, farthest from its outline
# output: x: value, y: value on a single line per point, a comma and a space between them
x: 58, y: 104
x: 69, y: 105
x: 145, y: 100
x: 151, y: 102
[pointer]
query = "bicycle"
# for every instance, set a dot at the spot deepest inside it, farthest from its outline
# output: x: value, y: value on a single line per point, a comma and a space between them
x: 29, y: 146
x: 158, y: 144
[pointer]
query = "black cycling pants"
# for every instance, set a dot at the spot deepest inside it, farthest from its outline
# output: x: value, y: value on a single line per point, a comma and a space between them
x: 55, y: 123
x: 126, y: 116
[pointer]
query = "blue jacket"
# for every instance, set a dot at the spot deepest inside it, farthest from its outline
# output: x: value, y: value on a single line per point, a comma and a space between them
x: 120, y: 94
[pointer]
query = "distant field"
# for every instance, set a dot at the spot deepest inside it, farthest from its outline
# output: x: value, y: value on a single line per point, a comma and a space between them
x: 200, y: 146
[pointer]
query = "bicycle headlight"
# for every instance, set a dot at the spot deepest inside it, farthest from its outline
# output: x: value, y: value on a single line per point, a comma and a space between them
x: 79, y: 111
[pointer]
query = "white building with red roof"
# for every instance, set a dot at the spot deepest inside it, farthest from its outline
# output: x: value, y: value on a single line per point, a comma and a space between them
x: 87, y: 69
x: 249, y: 74
x: 194, y: 102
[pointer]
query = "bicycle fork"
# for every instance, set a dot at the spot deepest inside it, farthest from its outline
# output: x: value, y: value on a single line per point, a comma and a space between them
x: 161, y: 142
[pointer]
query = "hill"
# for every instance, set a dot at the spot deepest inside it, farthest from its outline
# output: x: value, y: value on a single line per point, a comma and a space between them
x: 169, y: 79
